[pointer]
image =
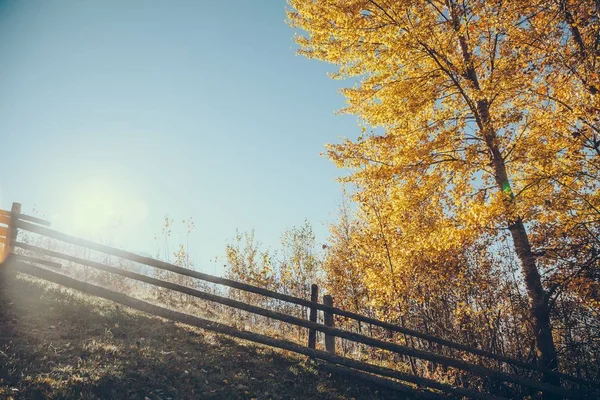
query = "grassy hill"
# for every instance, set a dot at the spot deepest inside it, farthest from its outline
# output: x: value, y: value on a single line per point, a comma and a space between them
x: 59, y: 344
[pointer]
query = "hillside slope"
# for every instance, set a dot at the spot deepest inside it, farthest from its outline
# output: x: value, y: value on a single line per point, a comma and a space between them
x: 58, y: 344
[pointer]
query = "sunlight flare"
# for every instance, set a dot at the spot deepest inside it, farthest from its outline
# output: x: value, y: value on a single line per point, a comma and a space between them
x: 100, y: 206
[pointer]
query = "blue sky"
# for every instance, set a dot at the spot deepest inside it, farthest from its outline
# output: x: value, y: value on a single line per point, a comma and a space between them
x: 194, y: 108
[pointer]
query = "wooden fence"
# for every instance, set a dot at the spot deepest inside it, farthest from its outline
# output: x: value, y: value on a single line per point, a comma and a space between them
x: 574, y: 387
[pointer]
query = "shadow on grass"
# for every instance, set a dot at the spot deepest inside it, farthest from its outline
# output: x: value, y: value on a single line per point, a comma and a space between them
x: 58, y: 344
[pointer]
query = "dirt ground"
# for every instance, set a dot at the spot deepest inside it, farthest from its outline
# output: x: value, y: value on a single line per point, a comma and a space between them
x: 58, y: 344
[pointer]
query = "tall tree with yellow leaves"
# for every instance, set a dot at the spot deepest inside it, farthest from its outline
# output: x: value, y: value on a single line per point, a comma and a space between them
x: 490, y: 117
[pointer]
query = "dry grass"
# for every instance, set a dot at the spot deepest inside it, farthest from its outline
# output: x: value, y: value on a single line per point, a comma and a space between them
x: 57, y: 344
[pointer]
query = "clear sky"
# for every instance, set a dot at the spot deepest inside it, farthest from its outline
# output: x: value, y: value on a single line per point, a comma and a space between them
x: 139, y: 108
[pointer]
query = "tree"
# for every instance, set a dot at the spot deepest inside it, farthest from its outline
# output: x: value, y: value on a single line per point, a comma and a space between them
x: 247, y: 262
x: 481, y: 126
x: 300, y: 263
x: 344, y: 276
x: 290, y: 270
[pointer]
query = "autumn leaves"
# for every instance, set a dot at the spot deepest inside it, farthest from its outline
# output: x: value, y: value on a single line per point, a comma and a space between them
x: 479, y: 101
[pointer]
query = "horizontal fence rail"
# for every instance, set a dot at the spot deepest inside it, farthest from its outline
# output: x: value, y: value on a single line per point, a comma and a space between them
x: 356, y: 337
x: 188, y: 319
x: 23, y: 263
x: 291, y: 299
x: 25, y: 258
x: 5, y: 217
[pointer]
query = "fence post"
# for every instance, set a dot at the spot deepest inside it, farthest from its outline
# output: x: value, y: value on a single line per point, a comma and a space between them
x: 328, y: 319
x: 314, y: 298
x: 11, y: 236
x: 4, y: 234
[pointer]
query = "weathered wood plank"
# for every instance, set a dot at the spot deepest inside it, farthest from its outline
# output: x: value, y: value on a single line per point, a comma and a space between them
x: 35, y: 220
x: 24, y: 258
x: 314, y: 299
x: 333, y: 332
x: 177, y: 316
x: 6, y: 215
x: 328, y: 320
x: 291, y: 299
x: 400, y: 387
x: 11, y: 238
x: 4, y: 219
x: 4, y: 240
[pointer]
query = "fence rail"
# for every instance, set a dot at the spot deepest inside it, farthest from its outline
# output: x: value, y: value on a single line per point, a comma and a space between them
x: 15, y: 220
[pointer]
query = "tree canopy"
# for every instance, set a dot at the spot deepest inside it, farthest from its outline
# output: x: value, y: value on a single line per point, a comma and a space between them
x: 480, y: 124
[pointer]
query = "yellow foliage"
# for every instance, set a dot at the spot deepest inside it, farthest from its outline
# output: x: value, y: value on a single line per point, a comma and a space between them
x: 490, y: 119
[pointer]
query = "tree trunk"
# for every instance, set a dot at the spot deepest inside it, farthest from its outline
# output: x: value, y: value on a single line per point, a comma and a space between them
x: 540, y: 308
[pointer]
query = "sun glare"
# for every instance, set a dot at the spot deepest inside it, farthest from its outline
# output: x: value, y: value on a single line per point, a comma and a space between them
x: 99, y: 206
x: 94, y: 207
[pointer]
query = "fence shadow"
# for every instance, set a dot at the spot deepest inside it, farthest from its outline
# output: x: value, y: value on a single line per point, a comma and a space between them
x: 58, y: 344
x: 505, y: 371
